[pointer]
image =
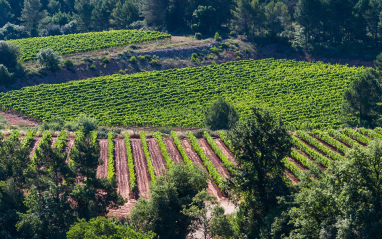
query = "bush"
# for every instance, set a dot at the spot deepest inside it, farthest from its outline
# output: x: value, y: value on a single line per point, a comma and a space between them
x: 93, y: 67
x: 195, y: 58
x: 221, y: 115
x: 49, y: 59
x: 68, y: 63
x: 198, y: 36
x: 9, y: 55
x: 5, y: 76
x: 154, y: 61
x: 215, y: 50
x: 141, y: 58
x: 106, y: 60
x: 133, y: 60
x: 217, y: 37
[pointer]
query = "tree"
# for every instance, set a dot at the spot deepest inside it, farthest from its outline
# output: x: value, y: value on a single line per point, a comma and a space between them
x: 101, y: 13
x: 260, y: 144
x: 204, y: 20
x: 126, y: 13
x: 170, y: 194
x: 49, y: 59
x: 221, y: 115
x: 31, y: 16
x: 92, y: 196
x: 361, y: 101
x: 9, y: 55
x: 346, y: 203
x: 5, y: 12
x: 83, y: 12
x: 208, y: 215
x: 101, y: 227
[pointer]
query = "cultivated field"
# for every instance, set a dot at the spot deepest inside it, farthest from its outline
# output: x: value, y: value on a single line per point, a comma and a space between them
x: 299, y: 92
x: 83, y: 42
x: 316, y: 150
x: 129, y: 158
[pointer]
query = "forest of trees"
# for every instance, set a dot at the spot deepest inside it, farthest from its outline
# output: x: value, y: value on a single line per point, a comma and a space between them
x: 341, y: 26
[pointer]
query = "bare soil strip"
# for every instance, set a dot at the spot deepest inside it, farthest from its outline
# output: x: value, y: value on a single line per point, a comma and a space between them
x: 68, y: 147
x: 156, y: 157
x: 143, y: 178
x: 121, y: 168
x: 328, y: 145
x: 173, y: 150
x: 213, y: 157
x: 213, y: 189
x: 225, y: 150
x: 35, y: 143
x: 102, y: 169
x: 122, y: 211
x: 292, y: 177
x: 15, y: 120
x: 53, y: 141
x: 311, y: 160
x: 297, y: 163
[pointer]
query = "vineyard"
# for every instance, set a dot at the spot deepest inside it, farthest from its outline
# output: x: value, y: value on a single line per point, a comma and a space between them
x: 316, y: 150
x: 136, y: 160
x: 83, y: 42
x: 297, y: 91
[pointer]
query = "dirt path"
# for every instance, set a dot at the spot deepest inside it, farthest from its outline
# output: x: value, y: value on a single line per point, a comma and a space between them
x: 140, y: 163
x: 35, y: 143
x: 121, y: 168
x: 68, y: 147
x: 173, y: 151
x: 213, y: 157
x: 123, y: 211
x: 15, y: 120
x: 102, y: 169
x: 213, y: 189
x: 156, y: 157
x: 53, y: 141
x: 225, y: 150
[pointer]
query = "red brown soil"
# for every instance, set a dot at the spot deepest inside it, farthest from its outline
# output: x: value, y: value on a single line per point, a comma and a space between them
x: 356, y: 140
x: 141, y: 170
x: 213, y: 189
x: 102, y: 169
x: 334, y: 149
x: 213, y: 157
x: 121, y: 168
x: 53, y: 141
x: 225, y: 150
x: 156, y: 157
x: 173, y: 150
x: 291, y: 176
x: 35, y: 143
x: 297, y: 163
x: 16, y: 120
x: 122, y: 211
x: 311, y: 160
x: 68, y: 147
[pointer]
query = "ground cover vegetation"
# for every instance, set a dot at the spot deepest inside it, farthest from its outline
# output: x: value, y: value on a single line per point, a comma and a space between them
x: 296, y: 91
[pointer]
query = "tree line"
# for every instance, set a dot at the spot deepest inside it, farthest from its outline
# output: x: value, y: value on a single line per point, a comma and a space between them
x: 337, y: 26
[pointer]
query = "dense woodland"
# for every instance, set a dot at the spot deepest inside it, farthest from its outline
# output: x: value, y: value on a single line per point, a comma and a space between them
x: 337, y: 27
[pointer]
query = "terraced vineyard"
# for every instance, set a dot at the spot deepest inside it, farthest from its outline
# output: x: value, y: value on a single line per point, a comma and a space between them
x: 297, y: 91
x: 82, y: 42
x: 128, y: 158
x: 315, y: 151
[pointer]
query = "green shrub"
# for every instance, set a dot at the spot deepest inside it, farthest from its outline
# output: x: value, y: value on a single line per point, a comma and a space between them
x: 49, y: 59
x: 195, y: 58
x: 215, y: 50
x: 93, y: 67
x: 154, y: 60
x: 68, y: 63
x: 133, y: 60
x: 225, y: 45
x: 217, y: 37
x: 141, y: 58
x: 122, y: 72
x: 198, y: 36
x: 106, y: 60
